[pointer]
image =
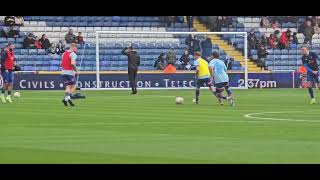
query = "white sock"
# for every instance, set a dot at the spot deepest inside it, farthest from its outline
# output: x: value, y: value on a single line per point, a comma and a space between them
x: 66, y: 98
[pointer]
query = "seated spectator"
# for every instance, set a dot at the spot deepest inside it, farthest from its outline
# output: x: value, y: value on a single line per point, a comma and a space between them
x: 316, y: 28
x: 272, y: 41
x: 285, y: 39
x: 171, y: 57
x: 308, y: 32
x: 264, y: 23
x: 277, y: 35
x: 160, y: 64
x: 184, y: 60
x: 206, y: 47
x: 28, y: 42
x: 193, y: 44
x: 60, y: 48
x: 294, y: 38
x: 70, y: 37
x: 18, y: 20
x: 80, y: 38
x: 9, y: 21
x: 316, y: 20
x: 45, y: 42
x: 262, y: 55
x: 13, y: 32
x: 37, y: 43
x: 252, y: 39
x: 52, y: 49
x: 264, y: 40
x: 311, y: 19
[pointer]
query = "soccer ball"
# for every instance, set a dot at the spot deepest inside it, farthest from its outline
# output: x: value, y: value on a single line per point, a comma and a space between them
x: 194, y: 101
x: 16, y: 94
x: 179, y: 100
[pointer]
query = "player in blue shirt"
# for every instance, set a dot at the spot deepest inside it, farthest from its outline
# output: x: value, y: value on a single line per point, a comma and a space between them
x: 218, y: 71
x: 309, y: 60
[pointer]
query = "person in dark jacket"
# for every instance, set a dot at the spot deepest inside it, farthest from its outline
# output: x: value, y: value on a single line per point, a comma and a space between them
x: 159, y: 64
x: 28, y: 42
x: 206, y: 47
x: 252, y: 39
x: 193, y: 43
x: 45, y: 42
x: 133, y: 65
x: 184, y: 60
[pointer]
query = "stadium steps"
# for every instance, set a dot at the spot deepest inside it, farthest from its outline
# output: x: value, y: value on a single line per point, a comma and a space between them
x: 230, y: 50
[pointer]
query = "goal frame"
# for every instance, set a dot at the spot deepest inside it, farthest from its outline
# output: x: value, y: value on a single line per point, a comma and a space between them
x: 97, y: 41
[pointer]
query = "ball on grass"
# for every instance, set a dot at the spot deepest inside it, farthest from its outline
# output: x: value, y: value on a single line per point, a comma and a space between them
x: 17, y: 95
x: 179, y: 100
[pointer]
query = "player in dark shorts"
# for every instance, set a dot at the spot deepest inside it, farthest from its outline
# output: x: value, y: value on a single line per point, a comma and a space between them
x: 68, y: 66
x: 309, y: 60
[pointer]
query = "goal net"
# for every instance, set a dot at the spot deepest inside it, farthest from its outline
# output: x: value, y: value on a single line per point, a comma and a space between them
x: 111, y: 66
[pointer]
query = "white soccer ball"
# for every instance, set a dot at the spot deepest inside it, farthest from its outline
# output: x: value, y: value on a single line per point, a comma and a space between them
x: 17, y: 95
x: 179, y: 100
x: 194, y: 101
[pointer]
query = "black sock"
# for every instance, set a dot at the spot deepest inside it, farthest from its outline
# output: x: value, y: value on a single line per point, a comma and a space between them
x: 197, y: 94
x: 311, y: 92
x: 9, y: 93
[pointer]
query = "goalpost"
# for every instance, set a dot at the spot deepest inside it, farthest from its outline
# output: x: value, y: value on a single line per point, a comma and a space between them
x: 105, y: 37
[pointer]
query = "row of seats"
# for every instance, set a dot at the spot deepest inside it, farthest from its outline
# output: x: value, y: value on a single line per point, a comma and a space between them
x: 89, y: 29
x: 92, y: 18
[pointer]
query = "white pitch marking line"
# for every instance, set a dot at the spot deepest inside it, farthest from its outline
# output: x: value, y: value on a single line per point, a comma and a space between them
x: 252, y: 116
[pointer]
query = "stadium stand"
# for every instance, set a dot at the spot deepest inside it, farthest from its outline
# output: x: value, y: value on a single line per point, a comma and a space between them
x: 150, y: 46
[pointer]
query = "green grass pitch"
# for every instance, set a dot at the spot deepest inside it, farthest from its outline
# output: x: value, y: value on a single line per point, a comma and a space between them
x: 117, y: 127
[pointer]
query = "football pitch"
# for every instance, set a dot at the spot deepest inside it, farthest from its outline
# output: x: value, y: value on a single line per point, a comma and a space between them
x: 265, y: 126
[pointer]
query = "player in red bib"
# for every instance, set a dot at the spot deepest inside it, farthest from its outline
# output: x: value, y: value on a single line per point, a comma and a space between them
x: 68, y: 67
x: 7, y: 67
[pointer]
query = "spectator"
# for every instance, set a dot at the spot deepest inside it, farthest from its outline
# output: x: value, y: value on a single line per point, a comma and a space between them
x: 13, y: 32
x: 285, y: 39
x: 184, y: 60
x: 18, y: 20
x: 264, y: 40
x: 171, y: 57
x: 294, y: 38
x: 262, y: 55
x: 190, y: 21
x: 316, y: 20
x: 80, y: 38
x: 9, y: 21
x: 70, y: 37
x: 206, y: 47
x: 264, y: 23
x: 60, y: 48
x: 37, y: 43
x: 308, y: 32
x: 275, y: 22
x: 252, y: 39
x: 160, y: 64
x: 316, y: 28
x: 193, y: 43
x: 28, y: 42
x: 311, y: 19
x: 226, y: 22
x: 45, y: 42
x: 272, y: 41
x: 277, y: 36
x: 52, y: 49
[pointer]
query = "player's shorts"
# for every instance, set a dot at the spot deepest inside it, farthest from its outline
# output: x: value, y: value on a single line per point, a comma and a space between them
x: 204, y: 83
x: 313, y: 77
x: 69, y: 79
x: 220, y: 86
x: 7, y: 77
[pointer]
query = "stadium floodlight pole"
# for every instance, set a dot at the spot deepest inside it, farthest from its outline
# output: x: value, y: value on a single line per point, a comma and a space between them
x: 97, y: 60
x: 246, y: 60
